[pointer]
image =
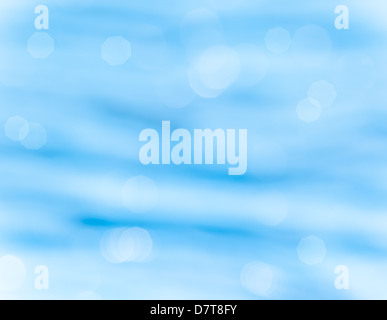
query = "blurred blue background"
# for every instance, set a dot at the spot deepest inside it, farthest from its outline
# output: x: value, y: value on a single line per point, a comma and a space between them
x: 75, y: 198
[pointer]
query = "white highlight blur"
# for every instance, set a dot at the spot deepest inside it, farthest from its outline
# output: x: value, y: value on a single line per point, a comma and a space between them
x: 40, y: 45
x: 311, y: 250
x: 278, y: 40
x: 126, y: 245
x: 116, y: 50
x: 218, y: 67
x: 257, y: 277
x: 36, y: 136
x: 214, y: 71
x: 13, y: 128
x: 12, y: 273
x: 308, y: 110
x: 199, y: 87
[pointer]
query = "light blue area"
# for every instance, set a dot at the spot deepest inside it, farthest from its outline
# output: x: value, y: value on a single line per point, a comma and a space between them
x: 58, y: 201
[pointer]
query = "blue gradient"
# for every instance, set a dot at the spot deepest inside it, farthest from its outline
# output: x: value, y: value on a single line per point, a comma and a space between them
x: 325, y: 178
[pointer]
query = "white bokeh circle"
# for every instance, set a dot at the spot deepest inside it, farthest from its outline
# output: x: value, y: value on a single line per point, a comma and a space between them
x: 135, y: 244
x: 308, y: 110
x: 126, y: 245
x: 12, y: 273
x: 40, y: 45
x: 257, y: 277
x: 35, y: 136
x: 218, y: 67
x: 199, y: 87
x: 311, y: 250
x: 278, y: 40
x: 109, y: 245
x: 16, y: 128
x: 214, y: 71
x: 322, y: 91
x: 116, y: 50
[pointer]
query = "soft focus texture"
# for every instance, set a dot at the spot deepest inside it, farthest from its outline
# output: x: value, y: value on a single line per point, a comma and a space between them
x: 75, y: 198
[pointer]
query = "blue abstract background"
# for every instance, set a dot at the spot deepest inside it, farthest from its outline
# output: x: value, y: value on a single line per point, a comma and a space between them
x: 75, y: 198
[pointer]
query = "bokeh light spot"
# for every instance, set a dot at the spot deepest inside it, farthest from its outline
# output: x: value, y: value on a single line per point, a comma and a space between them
x: 36, y: 137
x: 126, y: 245
x: 278, y: 40
x: 311, y: 250
x: 40, y: 45
x: 116, y: 50
x: 135, y: 244
x: 322, y: 91
x: 16, y: 128
x: 257, y: 277
x: 109, y: 245
x: 12, y: 273
x: 218, y: 67
x: 199, y: 87
x: 308, y: 110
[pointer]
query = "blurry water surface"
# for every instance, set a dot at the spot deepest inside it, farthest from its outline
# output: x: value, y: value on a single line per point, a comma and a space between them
x: 75, y: 198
